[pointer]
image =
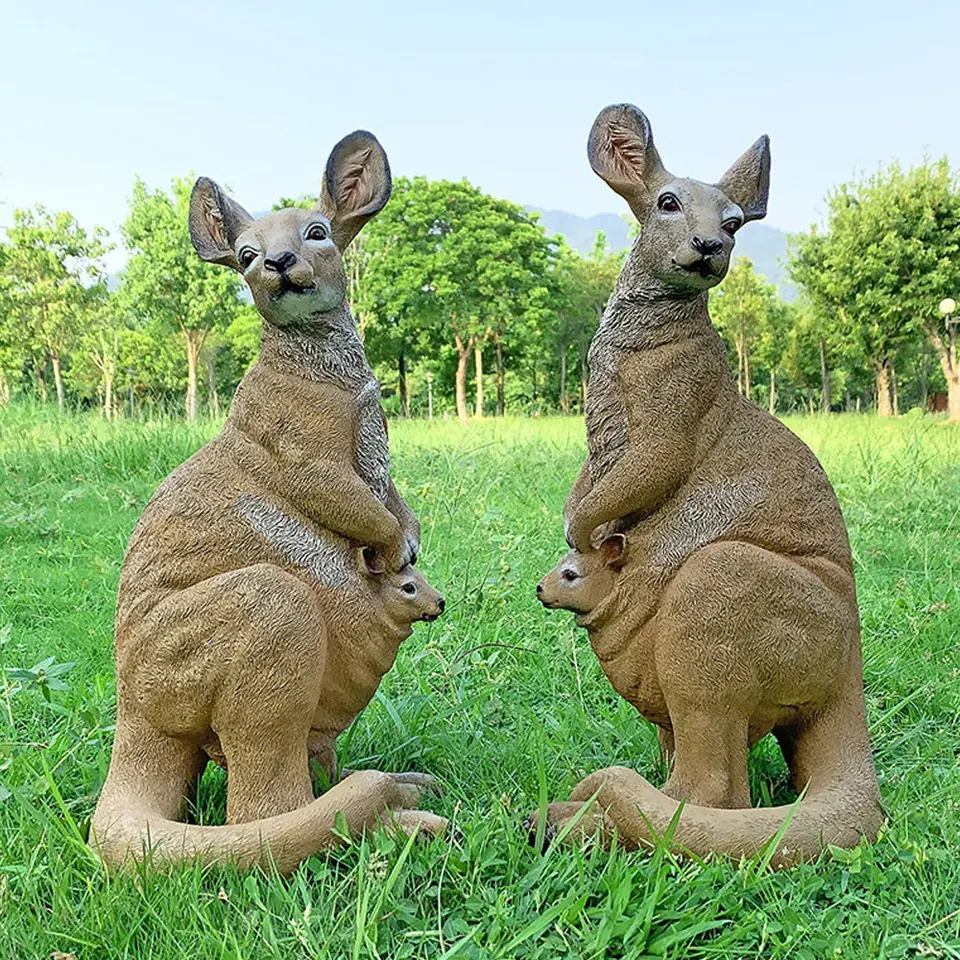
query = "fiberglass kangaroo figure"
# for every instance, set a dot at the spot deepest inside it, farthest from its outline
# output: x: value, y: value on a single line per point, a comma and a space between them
x: 267, y: 585
x: 728, y: 611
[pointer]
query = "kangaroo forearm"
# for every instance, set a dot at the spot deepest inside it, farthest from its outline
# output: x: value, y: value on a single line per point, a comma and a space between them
x: 580, y: 489
x: 342, y: 503
x: 405, y: 516
x: 622, y: 492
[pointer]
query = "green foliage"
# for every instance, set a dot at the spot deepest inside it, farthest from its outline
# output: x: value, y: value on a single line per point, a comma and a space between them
x: 168, y: 288
x: 889, y: 253
x: 52, y: 283
x: 503, y: 701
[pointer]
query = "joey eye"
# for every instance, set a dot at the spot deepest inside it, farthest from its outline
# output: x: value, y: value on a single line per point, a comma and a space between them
x: 668, y: 203
x: 247, y: 256
x: 731, y: 226
x: 409, y: 589
x: 569, y: 575
x: 317, y: 231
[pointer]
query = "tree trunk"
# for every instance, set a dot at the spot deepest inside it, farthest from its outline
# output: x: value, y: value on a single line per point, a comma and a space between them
x: 107, y: 396
x: 881, y: 373
x: 810, y: 402
x: 39, y: 371
x: 402, y: 386
x: 478, y: 366
x: 739, y: 347
x: 194, y: 342
x: 58, y: 380
x: 463, y: 356
x: 501, y: 392
x: 946, y: 349
x: 212, y: 376
x: 583, y: 383
x: 4, y: 390
x: 746, y: 371
x: 564, y: 402
x: 824, y: 381
x: 773, y: 391
x: 896, y: 391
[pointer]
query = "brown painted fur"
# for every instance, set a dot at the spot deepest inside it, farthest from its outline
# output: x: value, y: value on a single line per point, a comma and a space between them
x: 251, y: 627
x: 734, y: 612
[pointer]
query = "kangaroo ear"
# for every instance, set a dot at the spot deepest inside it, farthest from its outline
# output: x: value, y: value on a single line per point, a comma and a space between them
x: 215, y: 223
x: 747, y: 182
x: 356, y: 185
x: 621, y: 151
x: 613, y: 551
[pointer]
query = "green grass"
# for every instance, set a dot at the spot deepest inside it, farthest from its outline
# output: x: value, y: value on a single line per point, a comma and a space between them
x: 503, y: 702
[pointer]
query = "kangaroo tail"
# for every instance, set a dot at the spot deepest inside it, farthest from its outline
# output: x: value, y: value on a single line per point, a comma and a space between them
x: 841, y: 815
x: 122, y: 833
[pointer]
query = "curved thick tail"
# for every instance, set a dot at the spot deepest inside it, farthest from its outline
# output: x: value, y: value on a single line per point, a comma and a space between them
x: 841, y: 815
x: 123, y: 833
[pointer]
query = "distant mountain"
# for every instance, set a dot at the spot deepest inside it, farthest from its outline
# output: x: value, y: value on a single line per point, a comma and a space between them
x: 766, y: 246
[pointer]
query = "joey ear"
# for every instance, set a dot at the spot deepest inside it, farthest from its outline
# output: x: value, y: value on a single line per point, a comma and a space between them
x: 356, y: 185
x: 371, y: 561
x: 621, y: 152
x: 613, y: 550
x: 747, y: 182
x: 215, y: 223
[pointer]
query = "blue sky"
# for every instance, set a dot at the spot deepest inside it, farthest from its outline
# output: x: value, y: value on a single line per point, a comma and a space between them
x: 503, y: 93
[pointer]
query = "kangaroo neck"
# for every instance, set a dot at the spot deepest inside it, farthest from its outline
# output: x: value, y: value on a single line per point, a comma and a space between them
x: 639, y: 316
x: 328, y: 350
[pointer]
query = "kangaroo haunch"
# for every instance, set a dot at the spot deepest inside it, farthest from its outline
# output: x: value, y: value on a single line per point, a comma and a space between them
x: 728, y: 611
x: 267, y: 586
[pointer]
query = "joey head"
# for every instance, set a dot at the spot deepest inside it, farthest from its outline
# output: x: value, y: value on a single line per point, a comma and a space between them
x: 580, y: 581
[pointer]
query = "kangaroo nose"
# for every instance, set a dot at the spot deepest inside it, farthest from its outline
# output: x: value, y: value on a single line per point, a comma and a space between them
x: 441, y: 605
x: 707, y: 247
x: 280, y: 262
x: 539, y: 589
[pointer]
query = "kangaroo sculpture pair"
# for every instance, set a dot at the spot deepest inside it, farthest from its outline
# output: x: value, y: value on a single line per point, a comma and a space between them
x: 269, y: 582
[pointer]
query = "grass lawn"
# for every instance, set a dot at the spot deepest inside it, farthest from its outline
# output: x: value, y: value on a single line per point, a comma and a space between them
x: 502, y: 701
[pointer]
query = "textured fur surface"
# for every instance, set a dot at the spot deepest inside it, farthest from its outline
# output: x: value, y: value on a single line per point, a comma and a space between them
x: 731, y: 613
x: 267, y: 585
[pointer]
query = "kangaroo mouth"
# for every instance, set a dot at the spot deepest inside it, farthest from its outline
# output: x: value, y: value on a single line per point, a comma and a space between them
x: 288, y: 286
x: 702, y: 266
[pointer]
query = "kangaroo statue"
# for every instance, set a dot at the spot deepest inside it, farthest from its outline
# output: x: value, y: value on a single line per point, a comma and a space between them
x: 710, y: 562
x: 268, y: 583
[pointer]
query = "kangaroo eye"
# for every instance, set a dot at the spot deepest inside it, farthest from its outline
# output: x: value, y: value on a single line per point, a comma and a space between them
x: 668, y: 203
x: 409, y: 589
x: 569, y: 575
x: 731, y: 226
x: 317, y: 231
x: 247, y: 256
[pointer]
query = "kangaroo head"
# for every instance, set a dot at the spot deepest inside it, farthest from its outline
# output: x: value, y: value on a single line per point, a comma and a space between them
x: 292, y: 260
x: 687, y: 227
x: 581, y: 580
x: 406, y: 596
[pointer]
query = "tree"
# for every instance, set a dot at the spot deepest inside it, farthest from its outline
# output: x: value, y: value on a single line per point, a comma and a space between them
x: 53, y: 274
x: 889, y: 252
x: 167, y: 283
x: 773, y: 341
x: 445, y: 262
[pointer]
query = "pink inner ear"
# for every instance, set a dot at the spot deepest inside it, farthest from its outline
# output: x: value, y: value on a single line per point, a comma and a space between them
x: 372, y: 561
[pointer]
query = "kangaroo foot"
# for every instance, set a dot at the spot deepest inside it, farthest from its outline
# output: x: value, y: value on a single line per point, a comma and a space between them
x: 583, y: 822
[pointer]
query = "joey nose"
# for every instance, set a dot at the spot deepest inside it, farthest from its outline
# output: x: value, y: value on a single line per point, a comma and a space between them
x: 539, y: 589
x: 706, y: 246
x: 441, y: 604
x: 280, y: 262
